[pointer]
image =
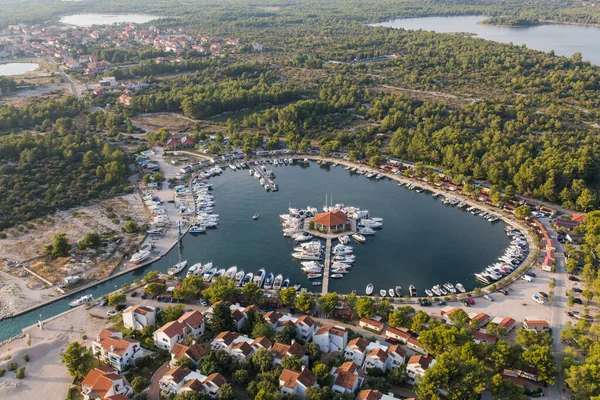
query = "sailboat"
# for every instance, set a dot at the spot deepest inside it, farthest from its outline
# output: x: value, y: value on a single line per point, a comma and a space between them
x: 177, y: 268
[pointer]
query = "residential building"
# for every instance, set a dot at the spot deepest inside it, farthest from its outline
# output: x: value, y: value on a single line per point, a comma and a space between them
x: 239, y: 346
x: 482, y: 318
x: 272, y: 318
x: 377, y: 358
x: 137, y: 317
x: 296, y: 383
x: 305, y: 326
x: 171, y: 333
x: 373, y: 395
x: 413, y: 344
x: 397, y: 335
x: 417, y: 365
x: 282, y: 350
x: 182, y: 379
x: 537, y: 325
x: 125, y: 100
x: 347, y: 378
x: 108, y: 81
x: 371, y: 324
x: 396, y: 356
x: 506, y: 323
x: 355, y: 350
x: 194, y: 353
x: 179, y: 142
x: 118, y: 352
x: 480, y: 337
x: 331, y: 338
x: 105, y: 383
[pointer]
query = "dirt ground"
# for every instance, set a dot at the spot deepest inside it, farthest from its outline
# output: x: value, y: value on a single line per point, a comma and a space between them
x: 24, y: 245
x: 45, y: 372
x: 171, y: 121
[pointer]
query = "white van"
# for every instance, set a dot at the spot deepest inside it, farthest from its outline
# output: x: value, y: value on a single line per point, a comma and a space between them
x: 527, y: 278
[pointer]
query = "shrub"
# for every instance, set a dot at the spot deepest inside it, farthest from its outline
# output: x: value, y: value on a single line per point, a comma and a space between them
x: 12, y: 366
x: 2, y: 371
x: 26, y: 357
x: 21, y: 373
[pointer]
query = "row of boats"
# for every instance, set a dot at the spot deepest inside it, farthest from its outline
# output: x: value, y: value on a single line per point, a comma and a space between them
x: 264, y: 280
x: 204, y: 202
x: 514, y: 255
x: 360, y: 171
x: 392, y: 292
x: 445, y: 289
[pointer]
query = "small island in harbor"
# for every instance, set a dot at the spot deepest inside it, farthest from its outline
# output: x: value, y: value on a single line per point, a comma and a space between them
x: 513, y: 22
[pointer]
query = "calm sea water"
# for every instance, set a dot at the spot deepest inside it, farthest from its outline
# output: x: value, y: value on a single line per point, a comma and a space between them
x: 422, y: 241
x: 563, y: 39
x: 12, y: 69
x: 89, y: 19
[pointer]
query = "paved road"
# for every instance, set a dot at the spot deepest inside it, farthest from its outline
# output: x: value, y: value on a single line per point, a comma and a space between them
x: 154, y: 390
x: 67, y: 79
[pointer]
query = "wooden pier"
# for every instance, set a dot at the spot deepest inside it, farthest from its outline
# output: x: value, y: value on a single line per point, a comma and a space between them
x: 326, y: 267
x: 265, y: 176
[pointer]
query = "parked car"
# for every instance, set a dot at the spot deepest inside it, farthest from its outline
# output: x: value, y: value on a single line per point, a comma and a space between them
x: 203, y: 302
x: 111, y: 313
x: 537, y: 299
x: 471, y: 301
x: 121, y: 307
x: 577, y: 290
x: 488, y: 297
x: 503, y: 291
x: 425, y: 303
x: 441, y: 303
x: 133, y: 294
x: 570, y: 314
x: 577, y: 301
x: 465, y: 303
x: 104, y: 302
x: 144, y: 295
x: 573, y: 278
x: 531, y: 274
x: 543, y: 294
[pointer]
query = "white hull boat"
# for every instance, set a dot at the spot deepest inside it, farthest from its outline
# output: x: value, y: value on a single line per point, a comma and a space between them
x: 177, y: 268
x: 88, y: 298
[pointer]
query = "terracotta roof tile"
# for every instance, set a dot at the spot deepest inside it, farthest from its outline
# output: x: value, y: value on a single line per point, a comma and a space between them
x: 178, y: 373
x: 305, y: 319
x: 228, y: 337
x: 360, y: 343
x: 369, y: 395
x: 272, y: 317
x: 216, y: 378
x: 263, y: 342
x: 345, y: 379
x: 193, y: 319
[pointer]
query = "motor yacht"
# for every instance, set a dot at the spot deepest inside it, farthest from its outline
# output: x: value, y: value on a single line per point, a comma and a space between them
x: 398, y: 290
x: 194, y: 270
x: 238, y: 277
x: 88, y: 298
x: 197, y: 229
x: 259, y: 277
x: 359, y: 238
x: 369, y: 289
x: 449, y: 287
x: 382, y: 292
x: 314, y: 276
x: 366, y: 231
x: 337, y: 276
x: 255, y: 217
x: 306, y: 256
x: 208, y: 275
x: 436, y: 290
x: 312, y: 264
x: 177, y: 268
x: 428, y: 292
x: 303, y: 237
x: 269, y: 281
x: 230, y: 273
x: 412, y: 290
x: 285, y: 284
x: 316, y: 283
x: 247, y: 278
x: 344, y: 240
x: 277, y: 282
x: 140, y: 256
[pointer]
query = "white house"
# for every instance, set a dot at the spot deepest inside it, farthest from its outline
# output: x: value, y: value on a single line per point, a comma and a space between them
x: 305, y: 326
x: 296, y: 383
x: 272, y: 318
x: 377, y: 357
x: 397, y: 335
x: 417, y: 365
x: 331, y: 338
x: 257, y: 47
x: 182, y: 379
x: 175, y: 331
x: 371, y: 324
x: 118, y: 352
x: 105, y: 383
x: 373, y: 395
x: 108, y: 81
x: 281, y: 350
x: 194, y: 353
x: 137, y: 317
x: 396, y: 356
x: 537, y: 325
x: 413, y: 344
x: 348, y: 378
x: 239, y: 346
x: 355, y: 350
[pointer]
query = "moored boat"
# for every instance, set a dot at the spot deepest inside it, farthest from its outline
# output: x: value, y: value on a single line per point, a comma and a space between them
x: 460, y: 288
x: 239, y: 276
x: 194, y: 270
x: 88, y: 298
x: 412, y: 290
x: 428, y: 292
x: 177, y: 268
x: 277, y: 282
x: 268, y: 281
x: 359, y: 238
x: 286, y: 283
x: 247, y: 278
x: 398, y: 290
x: 369, y: 289
x: 230, y: 273
x: 336, y: 276
x: 382, y: 292
x: 259, y: 277
x: 391, y: 292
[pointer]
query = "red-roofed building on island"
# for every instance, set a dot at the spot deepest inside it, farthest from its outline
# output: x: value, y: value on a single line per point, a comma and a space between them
x: 335, y: 220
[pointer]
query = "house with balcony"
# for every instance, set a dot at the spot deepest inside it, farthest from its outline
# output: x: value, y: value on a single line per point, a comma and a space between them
x: 239, y: 346
x: 356, y: 350
x: 396, y: 356
x: 282, y: 350
x: 171, y: 333
x: 137, y: 317
x: 105, y: 383
x: 116, y: 351
x: 181, y: 379
x: 417, y: 365
x: 347, y: 378
x: 371, y: 394
x: 272, y: 318
x: 305, y: 326
x: 193, y: 353
x: 296, y: 383
x: 377, y: 358
x: 397, y: 335
x: 331, y: 338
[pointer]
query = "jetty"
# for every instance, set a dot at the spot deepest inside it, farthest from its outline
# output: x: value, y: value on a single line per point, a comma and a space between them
x: 326, y: 267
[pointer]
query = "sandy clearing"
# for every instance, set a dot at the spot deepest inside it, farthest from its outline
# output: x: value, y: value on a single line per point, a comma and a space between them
x: 20, y: 293
x: 45, y: 372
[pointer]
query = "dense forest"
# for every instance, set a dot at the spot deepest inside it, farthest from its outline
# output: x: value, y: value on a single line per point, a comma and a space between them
x: 42, y: 173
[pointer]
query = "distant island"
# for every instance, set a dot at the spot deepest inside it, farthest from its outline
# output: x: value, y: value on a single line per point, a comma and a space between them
x: 510, y: 21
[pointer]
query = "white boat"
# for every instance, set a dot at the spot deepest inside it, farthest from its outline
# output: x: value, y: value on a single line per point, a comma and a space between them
x: 177, y: 268
x: 314, y: 276
x: 297, y: 286
x: 359, y: 238
x: 398, y: 291
x: 339, y: 271
x: 311, y: 264
x: 247, y: 278
x: 197, y: 229
x: 194, y: 270
x: 230, y: 273
x: 391, y: 292
x: 255, y: 217
x: 345, y: 258
x: 460, y: 287
x: 269, y: 281
x: 436, y: 290
x: 449, y: 287
x: 277, y: 282
x: 232, y: 167
x: 382, y: 292
x: 303, y: 237
x: 342, y: 250
x: 316, y: 283
x: 369, y: 289
x: 140, y: 256
x: 344, y: 239
x: 366, y: 231
x: 306, y: 256
x: 340, y: 265
x: 88, y: 298
x: 428, y: 292
x: 238, y: 277
x: 207, y: 276
x: 259, y: 277
x: 412, y: 290
x: 219, y: 273
x: 336, y: 276
x: 285, y: 284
